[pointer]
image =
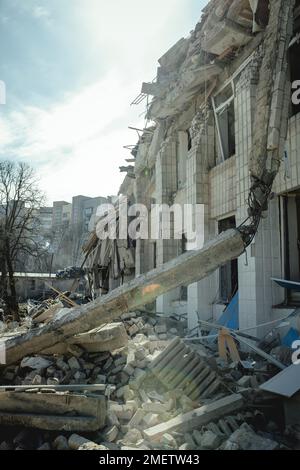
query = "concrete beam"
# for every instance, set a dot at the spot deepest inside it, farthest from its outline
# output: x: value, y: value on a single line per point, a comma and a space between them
x: 184, y: 270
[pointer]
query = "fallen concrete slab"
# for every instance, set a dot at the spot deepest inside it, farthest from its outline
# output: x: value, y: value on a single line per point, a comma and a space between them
x: 184, y: 270
x: 106, y: 338
x: 50, y: 423
x: 179, y: 367
x: 53, y: 411
x: 197, y: 418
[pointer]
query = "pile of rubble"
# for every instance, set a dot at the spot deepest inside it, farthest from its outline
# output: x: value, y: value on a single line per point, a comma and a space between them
x: 137, y: 395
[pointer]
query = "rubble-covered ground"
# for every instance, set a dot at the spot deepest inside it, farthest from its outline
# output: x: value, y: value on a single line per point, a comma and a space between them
x: 138, y: 400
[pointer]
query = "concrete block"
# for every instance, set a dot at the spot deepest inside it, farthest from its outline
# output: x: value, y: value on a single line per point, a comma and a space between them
x: 74, y: 364
x: 61, y: 443
x: 137, y: 418
x: 110, y: 434
x: 210, y: 441
x: 151, y: 419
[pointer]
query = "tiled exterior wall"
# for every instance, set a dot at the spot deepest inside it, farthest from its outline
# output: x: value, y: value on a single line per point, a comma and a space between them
x: 201, y: 294
x: 289, y: 175
x: 224, y: 190
x: 222, y: 184
x: 166, y: 186
x: 257, y: 292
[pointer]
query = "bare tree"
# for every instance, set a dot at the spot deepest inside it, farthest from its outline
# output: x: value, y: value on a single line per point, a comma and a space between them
x: 20, y: 201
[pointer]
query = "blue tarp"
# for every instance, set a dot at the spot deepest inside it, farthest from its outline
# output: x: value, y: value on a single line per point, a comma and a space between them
x: 230, y: 316
x: 291, y: 336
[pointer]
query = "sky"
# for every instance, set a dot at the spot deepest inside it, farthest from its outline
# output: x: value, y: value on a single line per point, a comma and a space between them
x: 71, y: 69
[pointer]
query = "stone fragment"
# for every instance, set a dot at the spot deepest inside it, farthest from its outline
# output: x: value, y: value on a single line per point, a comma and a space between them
x: 110, y: 434
x: 160, y: 329
x: 61, y: 443
x: 45, y: 446
x: 62, y: 365
x: 210, y: 441
x: 133, y: 436
x: 36, y: 363
x: 101, y: 379
x: 155, y: 408
x: 169, y: 440
x: 246, y: 439
x: 74, y: 364
x: 137, y: 418
x: 151, y: 419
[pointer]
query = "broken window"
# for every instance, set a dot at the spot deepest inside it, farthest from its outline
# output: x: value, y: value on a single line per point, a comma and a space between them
x: 223, y: 105
x: 184, y: 244
x: 228, y: 274
x: 190, y: 143
x: 290, y: 221
x: 181, y: 159
x: 154, y: 255
x: 184, y: 289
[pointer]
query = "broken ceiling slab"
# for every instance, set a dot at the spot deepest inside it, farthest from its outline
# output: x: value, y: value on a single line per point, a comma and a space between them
x: 184, y: 90
x: 195, y: 77
x: 175, y: 55
x: 286, y: 383
x: 53, y: 411
x: 240, y: 11
x: 223, y: 35
x: 153, y: 89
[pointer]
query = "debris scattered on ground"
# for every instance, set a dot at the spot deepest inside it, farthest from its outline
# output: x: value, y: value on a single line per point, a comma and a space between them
x: 148, y: 392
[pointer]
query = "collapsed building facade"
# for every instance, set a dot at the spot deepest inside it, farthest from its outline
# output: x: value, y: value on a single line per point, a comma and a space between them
x: 205, y: 109
x: 224, y: 121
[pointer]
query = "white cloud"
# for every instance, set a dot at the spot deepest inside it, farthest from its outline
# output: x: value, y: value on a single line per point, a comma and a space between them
x: 41, y: 12
x: 77, y: 144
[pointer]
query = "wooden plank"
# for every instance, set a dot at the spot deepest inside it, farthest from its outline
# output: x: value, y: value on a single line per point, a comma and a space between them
x: 48, y: 314
x: 184, y: 270
x: 197, y: 418
x: 61, y: 295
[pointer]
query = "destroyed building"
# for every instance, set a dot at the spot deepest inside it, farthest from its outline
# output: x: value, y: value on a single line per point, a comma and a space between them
x: 67, y: 231
x: 198, y: 151
x: 222, y: 122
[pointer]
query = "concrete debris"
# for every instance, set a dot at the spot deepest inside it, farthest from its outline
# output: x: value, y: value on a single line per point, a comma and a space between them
x: 105, y: 338
x: 140, y: 412
x: 141, y: 291
x: 196, y: 418
x: 36, y: 363
x: 181, y: 367
x: 61, y: 443
x: 77, y: 442
x: 48, y: 410
x: 144, y: 382
x: 245, y: 439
